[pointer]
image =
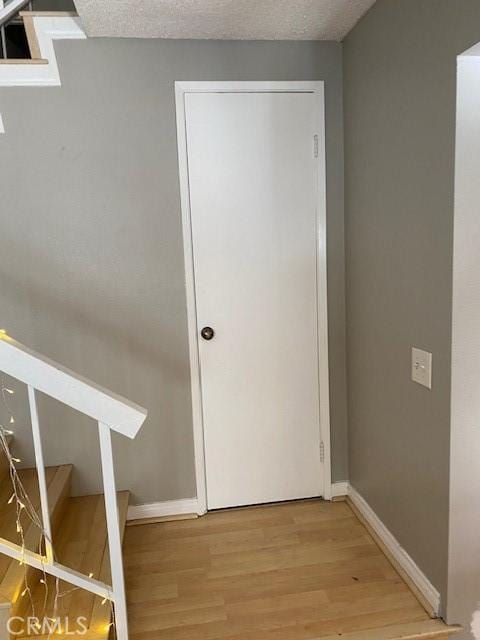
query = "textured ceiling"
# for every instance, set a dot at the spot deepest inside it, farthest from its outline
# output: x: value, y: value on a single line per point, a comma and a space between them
x: 222, y: 19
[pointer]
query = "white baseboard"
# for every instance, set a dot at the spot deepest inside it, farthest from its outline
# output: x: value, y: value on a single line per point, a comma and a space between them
x: 190, y: 505
x: 420, y: 580
x: 339, y: 489
x: 162, y: 509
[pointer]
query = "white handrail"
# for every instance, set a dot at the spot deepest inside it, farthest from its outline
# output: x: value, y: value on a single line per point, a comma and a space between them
x: 10, y: 8
x: 113, y: 413
x: 68, y: 387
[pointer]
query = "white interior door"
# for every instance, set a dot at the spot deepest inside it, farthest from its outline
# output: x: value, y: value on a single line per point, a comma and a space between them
x: 253, y: 190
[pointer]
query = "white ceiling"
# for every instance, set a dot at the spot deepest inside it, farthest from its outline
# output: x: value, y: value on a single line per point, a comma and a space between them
x: 222, y: 19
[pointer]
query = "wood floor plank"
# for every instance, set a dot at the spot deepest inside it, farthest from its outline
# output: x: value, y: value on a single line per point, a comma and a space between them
x: 296, y: 571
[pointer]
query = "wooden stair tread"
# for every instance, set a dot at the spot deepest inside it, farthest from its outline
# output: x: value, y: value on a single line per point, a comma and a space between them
x: 49, y: 14
x: 23, y: 61
x: 27, y: 17
x: 58, y: 482
x: 434, y: 629
x: 80, y: 544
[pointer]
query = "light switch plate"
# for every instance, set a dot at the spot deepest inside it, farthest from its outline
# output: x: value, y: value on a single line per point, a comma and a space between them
x: 422, y: 367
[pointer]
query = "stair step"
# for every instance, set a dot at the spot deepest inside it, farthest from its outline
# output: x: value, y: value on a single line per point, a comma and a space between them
x: 12, y: 574
x: 80, y: 544
x: 422, y: 630
x: 24, y: 39
x: 49, y: 14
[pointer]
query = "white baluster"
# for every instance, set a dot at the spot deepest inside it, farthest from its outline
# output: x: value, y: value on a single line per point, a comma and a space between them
x: 113, y: 528
x: 42, y: 481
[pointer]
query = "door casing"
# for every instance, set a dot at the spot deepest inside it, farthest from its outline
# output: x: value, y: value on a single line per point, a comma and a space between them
x: 317, y: 89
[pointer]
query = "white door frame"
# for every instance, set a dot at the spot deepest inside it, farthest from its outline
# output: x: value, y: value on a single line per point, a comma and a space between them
x: 317, y: 89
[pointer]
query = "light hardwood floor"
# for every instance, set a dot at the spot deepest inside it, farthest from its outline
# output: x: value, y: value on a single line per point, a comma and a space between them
x: 293, y: 571
x: 81, y: 544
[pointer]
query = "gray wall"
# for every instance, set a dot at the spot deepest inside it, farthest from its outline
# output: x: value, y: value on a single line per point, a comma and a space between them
x: 464, y: 543
x: 91, y: 256
x: 399, y: 80
x: 53, y: 5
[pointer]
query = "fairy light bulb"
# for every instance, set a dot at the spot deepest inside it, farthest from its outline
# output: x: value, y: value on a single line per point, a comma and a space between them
x: 23, y: 502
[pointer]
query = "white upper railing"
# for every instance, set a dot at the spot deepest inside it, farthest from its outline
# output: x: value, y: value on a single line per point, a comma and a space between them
x: 9, y: 8
x: 68, y: 387
x: 113, y: 413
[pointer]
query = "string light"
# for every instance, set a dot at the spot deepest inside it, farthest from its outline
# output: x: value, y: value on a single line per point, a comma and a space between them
x: 24, y: 506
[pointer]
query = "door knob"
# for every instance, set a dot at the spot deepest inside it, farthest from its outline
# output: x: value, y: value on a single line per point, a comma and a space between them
x: 207, y: 333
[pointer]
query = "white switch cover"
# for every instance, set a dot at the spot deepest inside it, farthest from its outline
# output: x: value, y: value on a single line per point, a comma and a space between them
x: 422, y: 367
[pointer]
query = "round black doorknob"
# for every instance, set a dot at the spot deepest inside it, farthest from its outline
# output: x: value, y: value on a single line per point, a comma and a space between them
x: 207, y: 333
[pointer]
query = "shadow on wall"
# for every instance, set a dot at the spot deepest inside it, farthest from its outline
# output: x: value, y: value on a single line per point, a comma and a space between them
x: 106, y: 338
x: 110, y: 329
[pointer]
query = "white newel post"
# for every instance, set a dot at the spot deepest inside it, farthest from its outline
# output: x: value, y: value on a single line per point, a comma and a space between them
x: 113, y: 528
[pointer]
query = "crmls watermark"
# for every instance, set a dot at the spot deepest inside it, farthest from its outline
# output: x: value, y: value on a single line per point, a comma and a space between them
x: 32, y: 626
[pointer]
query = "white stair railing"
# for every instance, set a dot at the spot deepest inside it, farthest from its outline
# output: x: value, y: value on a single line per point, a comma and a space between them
x: 113, y: 413
x: 9, y: 8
